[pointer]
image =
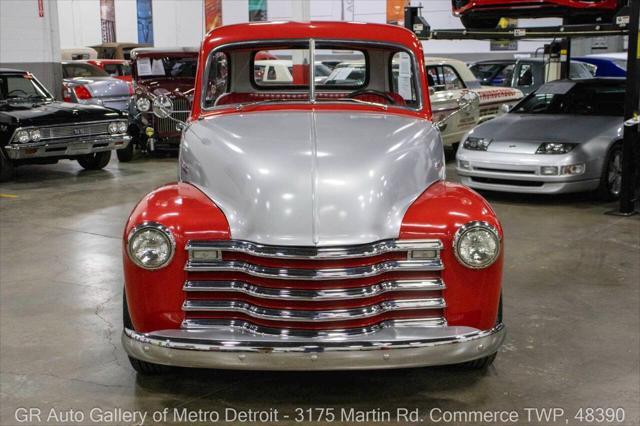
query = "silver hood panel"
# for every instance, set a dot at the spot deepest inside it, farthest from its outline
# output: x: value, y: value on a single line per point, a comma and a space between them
x: 305, y: 178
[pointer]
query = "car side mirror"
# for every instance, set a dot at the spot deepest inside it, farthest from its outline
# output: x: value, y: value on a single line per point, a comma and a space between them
x: 162, y: 106
x: 505, y: 108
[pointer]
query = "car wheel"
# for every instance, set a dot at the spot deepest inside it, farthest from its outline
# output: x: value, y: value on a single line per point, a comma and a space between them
x: 141, y: 367
x: 125, y: 155
x: 6, y: 168
x: 611, y: 180
x: 96, y: 161
x: 479, y: 23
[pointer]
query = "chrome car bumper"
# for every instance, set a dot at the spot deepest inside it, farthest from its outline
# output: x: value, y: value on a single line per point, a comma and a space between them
x: 66, y: 147
x: 393, y: 347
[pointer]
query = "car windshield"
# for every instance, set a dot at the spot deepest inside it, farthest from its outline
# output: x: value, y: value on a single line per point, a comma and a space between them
x: 575, y: 99
x: 167, y: 66
x: 484, y: 72
x: 277, y: 71
x: 18, y: 87
x: 78, y: 70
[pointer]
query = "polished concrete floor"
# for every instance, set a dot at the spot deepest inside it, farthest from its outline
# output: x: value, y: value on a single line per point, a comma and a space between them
x: 572, y: 307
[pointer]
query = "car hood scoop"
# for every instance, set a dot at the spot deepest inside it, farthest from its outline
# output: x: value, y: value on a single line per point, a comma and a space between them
x: 312, y: 178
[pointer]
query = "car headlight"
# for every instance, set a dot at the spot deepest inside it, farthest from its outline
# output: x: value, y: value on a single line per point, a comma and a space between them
x: 151, y: 245
x: 35, y: 135
x: 122, y: 127
x: 113, y: 127
x: 476, y: 245
x: 555, y: 148
x: 143, y: 104
x: 476, y: 144
x: 22, y: 136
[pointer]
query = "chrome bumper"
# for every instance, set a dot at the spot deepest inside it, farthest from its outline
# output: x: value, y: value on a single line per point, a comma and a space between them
x: 66, y: 147
x: 394, y: 347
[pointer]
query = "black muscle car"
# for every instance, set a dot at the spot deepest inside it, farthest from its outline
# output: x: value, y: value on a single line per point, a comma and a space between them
x: 36, y: 129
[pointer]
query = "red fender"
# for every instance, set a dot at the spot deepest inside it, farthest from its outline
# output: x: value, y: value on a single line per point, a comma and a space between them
x: 155, y: 297
x: 472, y: 295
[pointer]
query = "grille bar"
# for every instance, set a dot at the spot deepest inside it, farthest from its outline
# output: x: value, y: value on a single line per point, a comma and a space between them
x: 316, y: 274
x: 75, y: 130
x: 311, y: 316
x: 314, y: 295
x: 200, y: 324
x: 316, y: 253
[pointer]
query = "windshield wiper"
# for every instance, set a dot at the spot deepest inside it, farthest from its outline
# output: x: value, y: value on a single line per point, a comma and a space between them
x: 265, y: 101
x: 358, y: 101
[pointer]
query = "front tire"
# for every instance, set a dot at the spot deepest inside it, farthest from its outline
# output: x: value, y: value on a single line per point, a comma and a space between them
x: 611, y: 179
x: 6, y: 168
x: 142, y: 367
x: 95, y: 161
x: 126, y: 154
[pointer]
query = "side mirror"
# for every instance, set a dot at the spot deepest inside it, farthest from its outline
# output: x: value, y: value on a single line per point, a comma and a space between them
x: 162, y: 107
x: 505, y: 108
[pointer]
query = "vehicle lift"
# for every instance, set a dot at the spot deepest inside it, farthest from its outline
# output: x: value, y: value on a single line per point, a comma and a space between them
x: 626, y: 22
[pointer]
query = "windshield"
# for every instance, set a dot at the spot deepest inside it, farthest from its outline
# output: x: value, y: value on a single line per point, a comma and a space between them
x: 576, y: 99
x: 82, y: 70
x: 168, y: 66
x: 277, y: 71
x: 21, y: 87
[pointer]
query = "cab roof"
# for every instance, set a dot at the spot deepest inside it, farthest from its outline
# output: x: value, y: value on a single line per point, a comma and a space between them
x: 323, y: 30
x: 188, y: 50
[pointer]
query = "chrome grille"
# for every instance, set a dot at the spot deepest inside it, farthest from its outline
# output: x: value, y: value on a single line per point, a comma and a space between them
x: 314, y: 291
x: 76, y: 130
x: 166, y: 127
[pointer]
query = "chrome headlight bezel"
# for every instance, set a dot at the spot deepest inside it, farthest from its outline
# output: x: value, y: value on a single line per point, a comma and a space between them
x: 21, y: 136
x: 112, y: 127
x: 143, y: 104
x: 464, y: 230
x: 123, y: 126
x: 163, y: 231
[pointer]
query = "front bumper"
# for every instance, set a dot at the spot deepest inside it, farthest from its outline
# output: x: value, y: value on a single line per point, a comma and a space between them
x: 394, y: 347
x: 66, y: 147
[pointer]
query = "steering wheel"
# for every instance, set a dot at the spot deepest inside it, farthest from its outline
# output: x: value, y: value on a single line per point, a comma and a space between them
x: 17, y: 90
x: 372, y: 92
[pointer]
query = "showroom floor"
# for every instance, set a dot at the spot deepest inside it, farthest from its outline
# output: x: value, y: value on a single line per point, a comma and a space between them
x: 572, y: 307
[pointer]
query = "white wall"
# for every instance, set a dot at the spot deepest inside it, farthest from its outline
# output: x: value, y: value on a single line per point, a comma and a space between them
x: 181, y: 22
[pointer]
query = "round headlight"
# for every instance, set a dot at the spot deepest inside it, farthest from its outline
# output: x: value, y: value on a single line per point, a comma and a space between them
x: 151, y: 246
x: 113, y: 127
x: 35, y: 135
x: 122, y: 126
x: 143, y: 104
x: 476, y: 244
x: 22, y: 136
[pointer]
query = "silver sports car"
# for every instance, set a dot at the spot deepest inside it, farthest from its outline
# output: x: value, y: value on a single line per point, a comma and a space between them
x: 565, y: 137
x: 87, y: 84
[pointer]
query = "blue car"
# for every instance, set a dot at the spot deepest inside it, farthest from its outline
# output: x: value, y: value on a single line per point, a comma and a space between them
x: 608, y: 66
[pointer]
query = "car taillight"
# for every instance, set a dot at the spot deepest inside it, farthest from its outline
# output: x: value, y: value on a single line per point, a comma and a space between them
x: 82, y: 92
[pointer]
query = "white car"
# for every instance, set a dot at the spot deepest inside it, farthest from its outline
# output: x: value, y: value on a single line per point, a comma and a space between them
x: 450, y: 77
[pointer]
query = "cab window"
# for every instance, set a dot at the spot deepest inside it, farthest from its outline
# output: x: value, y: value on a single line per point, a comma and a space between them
x: 444, y: 77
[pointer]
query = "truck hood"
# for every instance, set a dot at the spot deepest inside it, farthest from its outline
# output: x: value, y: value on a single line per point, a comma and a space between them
x: 54, y: 113
x: 312, y: 178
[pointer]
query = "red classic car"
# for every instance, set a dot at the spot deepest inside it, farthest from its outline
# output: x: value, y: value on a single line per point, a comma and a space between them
x: 160, y: 72
x: 311, y: 227
x: 487, y: 13
x: 118, y: 68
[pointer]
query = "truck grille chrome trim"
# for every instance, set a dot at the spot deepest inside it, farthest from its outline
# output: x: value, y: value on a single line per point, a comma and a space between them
x: 311, y: 316
x: 316, y: 274
x: 202, y: 324
x: 316, y: 253
x: 314, y: 295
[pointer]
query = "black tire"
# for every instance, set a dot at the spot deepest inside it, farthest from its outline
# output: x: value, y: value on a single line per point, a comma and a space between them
x: 474, y: 22
x: 6, y: 168
x: 142, y: 367
x: 125, y: 155
x: 95, y: 161
x: 611, y: 178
